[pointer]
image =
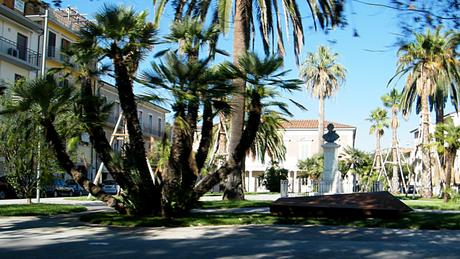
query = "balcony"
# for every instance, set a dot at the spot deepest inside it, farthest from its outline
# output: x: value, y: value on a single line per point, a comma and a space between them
x: 23, y: 57
x: 57, y: 55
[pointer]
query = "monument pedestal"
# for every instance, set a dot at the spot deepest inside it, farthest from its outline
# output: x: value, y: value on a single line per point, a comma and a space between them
x: 331, y: 180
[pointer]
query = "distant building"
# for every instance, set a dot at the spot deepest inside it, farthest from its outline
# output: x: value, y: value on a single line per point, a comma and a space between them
x: 417, y: 140
x: 300, y: 139
x: 19, y: 43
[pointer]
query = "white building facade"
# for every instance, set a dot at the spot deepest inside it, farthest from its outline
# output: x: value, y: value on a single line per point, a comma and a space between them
x: 19, y: 43
x: 301, y: 142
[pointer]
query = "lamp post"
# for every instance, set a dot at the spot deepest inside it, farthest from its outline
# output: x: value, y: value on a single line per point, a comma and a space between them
x: 42, y: 74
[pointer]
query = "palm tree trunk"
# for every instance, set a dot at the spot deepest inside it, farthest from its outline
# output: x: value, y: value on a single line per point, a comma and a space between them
x: 234, y: 160
x: 450, y: 160
x: 241, y: 37
x: 426, y: 190
x: 320, y: 123
x: 394, y: 151
x: 150, y: 200
x: 53, y: 137
x: 377, y: 151
x: 99, y: 140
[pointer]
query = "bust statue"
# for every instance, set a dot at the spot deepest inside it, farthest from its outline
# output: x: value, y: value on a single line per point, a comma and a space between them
x: 330, y: 136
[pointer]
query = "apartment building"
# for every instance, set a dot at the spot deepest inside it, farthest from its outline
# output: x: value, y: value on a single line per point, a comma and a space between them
x: 19, y: 43
x: 22, y: 24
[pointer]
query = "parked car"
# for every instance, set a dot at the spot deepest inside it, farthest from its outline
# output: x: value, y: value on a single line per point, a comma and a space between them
x: 110, y: 186
x: 77, y: 189
x: 6, y: 190
x: 58, y: 188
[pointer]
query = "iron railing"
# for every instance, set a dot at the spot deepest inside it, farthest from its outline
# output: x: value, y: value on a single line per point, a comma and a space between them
x: 26, y: 55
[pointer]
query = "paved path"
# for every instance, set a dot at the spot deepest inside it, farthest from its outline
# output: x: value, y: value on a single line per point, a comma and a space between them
x: 66, y: 237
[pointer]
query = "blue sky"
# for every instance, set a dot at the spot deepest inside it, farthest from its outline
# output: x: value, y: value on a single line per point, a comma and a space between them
x: 370, y: 60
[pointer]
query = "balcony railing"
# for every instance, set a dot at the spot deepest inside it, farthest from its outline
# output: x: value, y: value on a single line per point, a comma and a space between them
x: 26, y: 55
x: 57, y: 55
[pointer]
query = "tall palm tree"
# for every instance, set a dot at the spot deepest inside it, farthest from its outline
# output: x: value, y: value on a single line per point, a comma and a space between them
x: 247, y: 14
x: 448, y: 136
x: 323, y: 77
x: 429, y: 62
x: 379, y: 121
x: 392, y: 100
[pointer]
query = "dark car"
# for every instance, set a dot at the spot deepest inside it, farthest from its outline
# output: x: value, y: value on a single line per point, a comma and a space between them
x: 58, y: 188
x: 6, y: 190
x: 77, y: 189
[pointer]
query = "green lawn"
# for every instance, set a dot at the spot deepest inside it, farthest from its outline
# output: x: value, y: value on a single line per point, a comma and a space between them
x: 432, y: 204
x: 40, y: 209
x: 410, y: 221
x: 233, y: 204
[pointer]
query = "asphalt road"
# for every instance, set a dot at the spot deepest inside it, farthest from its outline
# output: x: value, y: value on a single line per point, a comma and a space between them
x: 66, y: 237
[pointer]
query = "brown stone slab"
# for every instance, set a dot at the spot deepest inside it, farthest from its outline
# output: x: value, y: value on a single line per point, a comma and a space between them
x: 353, y: 205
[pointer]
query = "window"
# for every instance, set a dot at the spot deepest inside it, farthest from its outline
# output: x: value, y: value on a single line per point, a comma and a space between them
x: 51, y: 45
x: 303, y: 150
x: 150, y: 124
x: 18, y: 78
x: 159, y: 127
x: 65, y: 44
x: 21, y: 45
x: 141, y: 121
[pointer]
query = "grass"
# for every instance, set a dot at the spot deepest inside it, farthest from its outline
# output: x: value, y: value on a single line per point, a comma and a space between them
x: 410, y: 221
x: 81, y: 198
x: 432, y: 204
x: 40, y: 209
x: 233, y: 204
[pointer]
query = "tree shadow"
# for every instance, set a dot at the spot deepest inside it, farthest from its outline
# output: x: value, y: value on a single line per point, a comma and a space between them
x: 65, y: 236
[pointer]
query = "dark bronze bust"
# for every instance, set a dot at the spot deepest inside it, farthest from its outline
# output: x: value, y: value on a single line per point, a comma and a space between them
x: 330, y: 136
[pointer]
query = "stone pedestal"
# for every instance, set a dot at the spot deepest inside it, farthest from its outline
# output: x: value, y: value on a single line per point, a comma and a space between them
x: 331, y: 179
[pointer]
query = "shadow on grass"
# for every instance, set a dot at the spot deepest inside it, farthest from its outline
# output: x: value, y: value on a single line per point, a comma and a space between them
x: 414, y: 220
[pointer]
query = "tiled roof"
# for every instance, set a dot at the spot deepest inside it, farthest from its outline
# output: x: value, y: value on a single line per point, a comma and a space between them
x: 311, y: 124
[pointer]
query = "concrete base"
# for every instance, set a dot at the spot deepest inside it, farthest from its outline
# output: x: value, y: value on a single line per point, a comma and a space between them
x: 354, y: 205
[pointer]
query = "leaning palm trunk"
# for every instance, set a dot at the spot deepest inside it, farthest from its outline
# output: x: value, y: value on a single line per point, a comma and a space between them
x: 236, y: 157
x: 53, y: 137
x: 241, y: 36
x: 106, y: 153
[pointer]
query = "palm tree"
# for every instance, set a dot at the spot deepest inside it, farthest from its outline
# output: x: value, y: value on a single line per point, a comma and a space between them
x: 379, y: 121
x: 392, y: 100
x: 312, y: 167
x: 247, y: 13
x: 269, y: 138
x: 448, y: 136
x: 358, y: 163
x: 323, y: 77
x: 430, y: 62
x: 125, y: 37
x: 263, y: 80
x: 53, y: 106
